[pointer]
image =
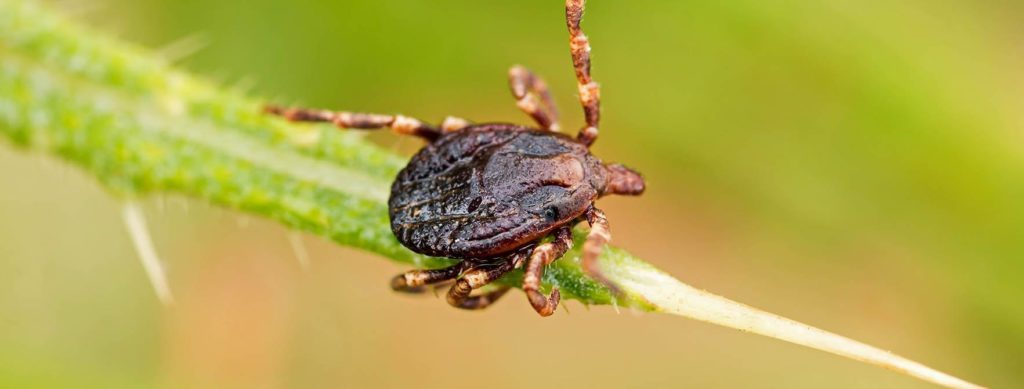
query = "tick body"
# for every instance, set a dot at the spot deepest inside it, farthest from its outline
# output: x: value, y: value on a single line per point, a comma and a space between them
x: 489, y: 194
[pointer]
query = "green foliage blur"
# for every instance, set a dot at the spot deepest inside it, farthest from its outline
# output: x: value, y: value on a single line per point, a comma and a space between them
x: 855, y: 165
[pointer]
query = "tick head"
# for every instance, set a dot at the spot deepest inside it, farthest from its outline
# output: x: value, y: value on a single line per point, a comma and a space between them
x: 622, y: 180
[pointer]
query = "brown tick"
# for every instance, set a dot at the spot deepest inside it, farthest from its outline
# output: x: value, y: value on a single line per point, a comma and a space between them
x: 488, y: 194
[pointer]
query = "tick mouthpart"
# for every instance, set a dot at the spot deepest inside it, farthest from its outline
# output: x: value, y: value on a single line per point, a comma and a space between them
x: 623, y: 181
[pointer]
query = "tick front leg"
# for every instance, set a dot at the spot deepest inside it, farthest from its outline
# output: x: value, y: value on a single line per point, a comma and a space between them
x: 402, y: 125
x: 477, y: 277
x: 590, y: 91
x: 414, y: 281
x: 599, y: 235
x: 533, y: 97
x: 542, y: 256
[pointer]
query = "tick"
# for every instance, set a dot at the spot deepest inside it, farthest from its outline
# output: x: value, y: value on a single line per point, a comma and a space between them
x: 490, y: 194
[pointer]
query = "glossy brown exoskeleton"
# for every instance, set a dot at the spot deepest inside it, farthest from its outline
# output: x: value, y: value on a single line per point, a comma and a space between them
x: 488, y: 194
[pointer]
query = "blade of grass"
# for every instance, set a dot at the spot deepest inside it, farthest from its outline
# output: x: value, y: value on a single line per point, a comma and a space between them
x: 140, y: 126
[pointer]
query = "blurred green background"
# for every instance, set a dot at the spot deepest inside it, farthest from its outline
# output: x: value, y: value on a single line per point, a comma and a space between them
x: 855, y: 165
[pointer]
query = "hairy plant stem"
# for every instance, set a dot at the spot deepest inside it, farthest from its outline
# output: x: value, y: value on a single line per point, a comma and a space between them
x: 140, y: 126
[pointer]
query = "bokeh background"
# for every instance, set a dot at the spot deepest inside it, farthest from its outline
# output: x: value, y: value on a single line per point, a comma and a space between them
x: 856, y: 165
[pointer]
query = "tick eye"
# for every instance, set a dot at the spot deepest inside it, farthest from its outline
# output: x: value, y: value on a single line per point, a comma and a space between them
x: 551, y: 213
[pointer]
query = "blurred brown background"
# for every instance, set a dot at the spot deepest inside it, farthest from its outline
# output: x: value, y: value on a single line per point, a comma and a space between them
x: 852, y: 165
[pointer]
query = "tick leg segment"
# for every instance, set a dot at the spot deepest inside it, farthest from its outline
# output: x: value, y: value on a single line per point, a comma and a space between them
x: 533, y: 97
x: 477, y: 277
x: 542, y: 256
x: 599, y: 235
x: 403, y: 125
x: 414, y: 281
x: 590, y: 91
x: 452, y: 124
x: 474, y: 302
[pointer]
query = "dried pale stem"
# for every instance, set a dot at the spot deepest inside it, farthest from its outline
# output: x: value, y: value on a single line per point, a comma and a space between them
x: 671, y: 296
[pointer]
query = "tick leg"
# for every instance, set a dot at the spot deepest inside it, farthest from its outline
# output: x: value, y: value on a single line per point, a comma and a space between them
x: 590, y: 92
x: 599, y: 235
x: 542, y: 256
x: 475, y: 278
x: 533, y: 97
x: 476, y: 302
x: 414, y: 281
x: 452, y: 124
x: 403, y: 125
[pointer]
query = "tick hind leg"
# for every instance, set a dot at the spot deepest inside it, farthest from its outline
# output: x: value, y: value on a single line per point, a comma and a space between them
x: 590, y: 91
x: 415, y: 281
x: 542, y: 256
x: 478, y: 276
x: 599, y: 235
x: 533, y: 97
x: 402, y: 125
